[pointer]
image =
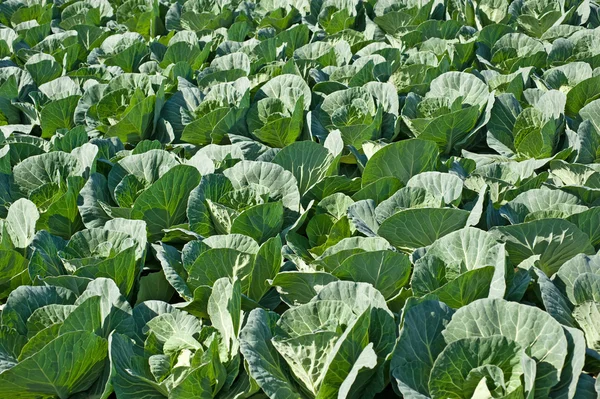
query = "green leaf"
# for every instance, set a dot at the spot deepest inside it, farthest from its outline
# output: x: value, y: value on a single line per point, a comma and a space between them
x: 113, y: 310
x: 536, y: 200
x: 58, y: 114
x: 266, y: 266
x: 499, y: 361
x: 170, y: 260
x: 23, y: 301
x: 401, y: 160
x: 52, y: 167
x: 566, y: 276
x: 128, y: 377
x: 308, y: 161
x: 260, y: 222
x: 555, y: 303
x: 362, y: 215
x: 280, y: 183
x: 445, y: 186
x: 277, y: 131
x: 154, y: 286
x: 530, y: 326
x: 591, y: 112
x: 535, y: 136
x: 387, y: 271
x: 15, y: 272
x: 582, y: 94
x: 216, y: 263
x: 296, y: 288
x: 379, y: 190
x: 264, y: 363
x: 570, y: 376
x: 43, y: 68
x: 555, y: 240
x: 457, y: 256
x: 333, y: 256
x: 121, y: 268
x: 419, y: 344
x: 204, y: 380
x: 224, y: 309
x: 62, y: 217
x: 164, y: 204
x: 414, y: 228
x: 20, y: 222
x: 71, y: 363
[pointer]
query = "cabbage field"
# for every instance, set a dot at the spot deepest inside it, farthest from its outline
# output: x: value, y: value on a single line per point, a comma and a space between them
x: 299, y: 199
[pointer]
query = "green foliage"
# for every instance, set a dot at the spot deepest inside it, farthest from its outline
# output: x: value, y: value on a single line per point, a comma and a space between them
x: 319, y: 199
